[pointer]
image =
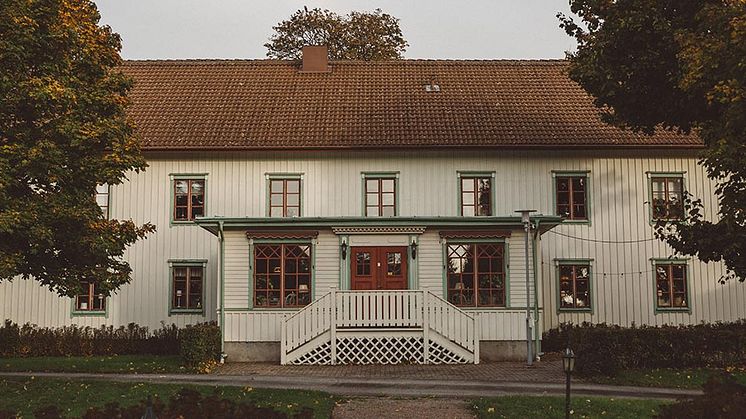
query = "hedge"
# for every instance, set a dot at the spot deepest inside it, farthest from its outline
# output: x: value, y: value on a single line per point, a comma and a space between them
x: 605, y: 349
x: 198, y: 342
x: 723, y: 398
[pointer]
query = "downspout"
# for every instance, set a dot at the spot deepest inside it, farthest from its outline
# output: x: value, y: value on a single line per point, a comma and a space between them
x: 536, y: 292
x: 221, y: 278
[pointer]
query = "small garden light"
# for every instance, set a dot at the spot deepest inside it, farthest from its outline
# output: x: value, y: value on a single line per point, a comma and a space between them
x: 568, y: 364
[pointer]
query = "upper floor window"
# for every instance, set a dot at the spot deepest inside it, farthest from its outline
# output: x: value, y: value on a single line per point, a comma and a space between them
x: 476, y: 274
x: 671, y: 285
x: 574, y: 286
x: 572, y: 196
x: 476, y: 195
x: 380, y: 196
x: 282, y: 275
x: 189, y: 199
x: 284, y: 197
x: 667, y: 197
x: 90, y: 299
x: 102, y: 198
x: 187, y: 288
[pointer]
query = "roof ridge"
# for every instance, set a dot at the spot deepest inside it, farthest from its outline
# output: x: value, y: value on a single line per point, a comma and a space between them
x: 406, y: 61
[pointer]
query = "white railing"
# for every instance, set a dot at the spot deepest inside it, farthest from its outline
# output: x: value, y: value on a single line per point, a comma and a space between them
x: 344, y: 314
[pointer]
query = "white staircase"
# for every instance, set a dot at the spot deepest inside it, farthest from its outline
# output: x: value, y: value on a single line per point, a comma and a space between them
x: 379, y: 327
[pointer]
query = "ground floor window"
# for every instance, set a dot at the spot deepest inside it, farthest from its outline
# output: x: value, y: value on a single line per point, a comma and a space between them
x: 476, y: 274
x: 574, y: 285
x: 188, y: 287
x: 671, y: 285
x: 282, y: 275
x: 90, y: 299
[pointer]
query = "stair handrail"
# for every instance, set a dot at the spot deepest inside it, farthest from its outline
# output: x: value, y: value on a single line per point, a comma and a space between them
x: 467, y: 338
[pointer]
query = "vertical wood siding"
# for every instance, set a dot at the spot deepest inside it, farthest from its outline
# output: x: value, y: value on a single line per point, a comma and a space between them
x: 236, y: 187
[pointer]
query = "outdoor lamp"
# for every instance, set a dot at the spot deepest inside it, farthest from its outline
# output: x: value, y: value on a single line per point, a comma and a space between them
x: 568, y: 361
x: 414, y: 249
x: 344, y: 250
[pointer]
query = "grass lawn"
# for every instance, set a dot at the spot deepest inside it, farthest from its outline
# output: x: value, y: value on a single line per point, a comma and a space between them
x: 134, y: 364
x: 25, y: 395
x: 673, y: 378
x: 554, y: 407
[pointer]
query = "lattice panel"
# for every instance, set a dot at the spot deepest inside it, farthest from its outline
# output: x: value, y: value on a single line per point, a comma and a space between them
x: 380, y: 350
x: 440, y: 355
x: 322, y: 355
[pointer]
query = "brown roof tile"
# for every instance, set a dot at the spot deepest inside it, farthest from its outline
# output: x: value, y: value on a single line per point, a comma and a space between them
x: 264, y: 104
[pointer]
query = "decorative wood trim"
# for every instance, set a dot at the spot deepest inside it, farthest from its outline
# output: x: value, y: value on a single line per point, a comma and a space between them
x: 474, y: 234
x: 281, y: 235
x: 378, y: 230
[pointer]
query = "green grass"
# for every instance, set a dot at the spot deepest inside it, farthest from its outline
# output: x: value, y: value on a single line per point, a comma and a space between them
x: 690, y: 378
x: 25, y: 395
x: 554, y: 407
x: 133, y: 364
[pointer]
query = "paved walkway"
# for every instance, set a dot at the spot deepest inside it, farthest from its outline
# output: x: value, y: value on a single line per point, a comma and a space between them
x: 394, y: 408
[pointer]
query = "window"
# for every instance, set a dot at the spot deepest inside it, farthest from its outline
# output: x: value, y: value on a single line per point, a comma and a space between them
x: 90, y: 300
x: 671, y: 285
x: 187, y: 287
x: 380, y: 196
x: 476, y: 195
x: 189, y: 199
x: 282, y: 275
x: 571, y: 197
x: 476, y: 274
x: 284, y: 197
x: 574, y: 286
x: 102, y: 199
x: 667, y: 197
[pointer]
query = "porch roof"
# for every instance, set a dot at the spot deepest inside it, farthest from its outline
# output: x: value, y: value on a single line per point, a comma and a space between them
x: 212, y: 224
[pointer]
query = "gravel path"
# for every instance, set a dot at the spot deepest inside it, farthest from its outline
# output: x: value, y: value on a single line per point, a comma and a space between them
x: 388, y: 407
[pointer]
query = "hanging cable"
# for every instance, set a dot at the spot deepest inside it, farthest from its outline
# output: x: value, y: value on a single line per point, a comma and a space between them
x: 603, y: 241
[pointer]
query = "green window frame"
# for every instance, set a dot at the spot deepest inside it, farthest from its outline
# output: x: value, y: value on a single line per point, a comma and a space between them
x: 187, y: 201
x: 284, y: 195
x: 471, y: 199
x: 90, y: 302
x: 182, y: 303
x: 380, y: 192
x: 574, y: 285
x: 576, y: 212
x: 671, y: 285
x: 476, y: 273
x: 666, y: 196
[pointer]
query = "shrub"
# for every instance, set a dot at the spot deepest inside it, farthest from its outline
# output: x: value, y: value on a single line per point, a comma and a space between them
x: 604, y: 349
x: 723, y: 398
x: 199, y: 345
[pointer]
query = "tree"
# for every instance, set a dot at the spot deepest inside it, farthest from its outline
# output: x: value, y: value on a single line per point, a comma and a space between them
x: 356, y: 36
x: 678, y: 65
x: 63, y: 131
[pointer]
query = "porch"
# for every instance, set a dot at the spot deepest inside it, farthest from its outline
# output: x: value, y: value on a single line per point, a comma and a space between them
x: 379, y: 327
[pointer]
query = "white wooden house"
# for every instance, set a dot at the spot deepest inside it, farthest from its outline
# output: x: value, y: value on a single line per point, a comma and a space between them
x: 355, y: 212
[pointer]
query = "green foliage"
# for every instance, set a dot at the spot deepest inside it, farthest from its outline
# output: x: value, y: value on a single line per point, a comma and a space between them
x: 199, y: 345
x: 356, y: 36
x: 723, y: 398
x: 601, y: 349
x: 63, y: 130
x: 119, y: 364
x: 681, y: 65
x: 32, y: 341
x: 519, y: 407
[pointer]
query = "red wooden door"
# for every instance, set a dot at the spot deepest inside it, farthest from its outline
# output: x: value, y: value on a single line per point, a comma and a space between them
x: 378, y: 268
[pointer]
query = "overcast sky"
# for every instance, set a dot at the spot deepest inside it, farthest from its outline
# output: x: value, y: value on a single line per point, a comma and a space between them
x: 481, y: 29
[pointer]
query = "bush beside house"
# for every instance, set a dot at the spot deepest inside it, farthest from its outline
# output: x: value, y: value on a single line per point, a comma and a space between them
x: 197, y: 344
x: 604, y: 349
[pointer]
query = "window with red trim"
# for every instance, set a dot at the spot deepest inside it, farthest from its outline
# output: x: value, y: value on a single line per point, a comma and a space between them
x: 380, y: 196
x: 572, y: 197
x: 284, y: 197
x: 476, y: 274
x: 575, y: 286
x: 667, y: 195
x: 187, y: 287
x: 282, y: 275
x: 189, y: 199
x: 476, y: 196
x: 671, y: 286
x: 90, y: 299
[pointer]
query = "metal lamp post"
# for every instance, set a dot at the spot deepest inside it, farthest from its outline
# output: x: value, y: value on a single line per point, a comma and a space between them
x: 526, y: 220
x: 568, y: 363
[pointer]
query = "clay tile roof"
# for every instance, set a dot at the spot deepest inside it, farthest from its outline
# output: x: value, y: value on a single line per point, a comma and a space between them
x: 266, y: 104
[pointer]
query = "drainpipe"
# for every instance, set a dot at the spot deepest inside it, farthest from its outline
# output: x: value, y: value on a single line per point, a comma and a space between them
x: 221, y: 279
x: 536, y: 290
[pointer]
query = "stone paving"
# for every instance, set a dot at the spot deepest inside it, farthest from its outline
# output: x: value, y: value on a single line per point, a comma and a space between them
x: 393, y: 408
x: 545, y: 371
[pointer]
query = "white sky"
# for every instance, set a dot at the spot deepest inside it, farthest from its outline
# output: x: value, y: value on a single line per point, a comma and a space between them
x: 479, y: 29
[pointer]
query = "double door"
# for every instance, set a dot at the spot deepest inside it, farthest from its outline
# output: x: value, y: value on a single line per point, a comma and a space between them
x: 378, y: 268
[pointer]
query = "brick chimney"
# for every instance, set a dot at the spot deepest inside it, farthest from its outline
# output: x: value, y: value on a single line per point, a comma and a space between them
x: 315, y: 59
